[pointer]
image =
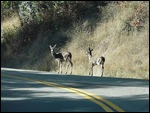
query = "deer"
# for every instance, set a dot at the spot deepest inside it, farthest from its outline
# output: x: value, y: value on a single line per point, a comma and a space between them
x: 93, y: 62
x: 62, y: 57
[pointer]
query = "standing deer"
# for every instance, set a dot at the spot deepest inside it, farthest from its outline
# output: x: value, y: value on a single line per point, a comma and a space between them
x: 62, y: 57
x: 99, y: 61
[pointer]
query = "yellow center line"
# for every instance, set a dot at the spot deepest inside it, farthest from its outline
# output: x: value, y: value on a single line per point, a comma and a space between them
x: 84, y: 94
x: 106, y: 108
x: 117, y: 108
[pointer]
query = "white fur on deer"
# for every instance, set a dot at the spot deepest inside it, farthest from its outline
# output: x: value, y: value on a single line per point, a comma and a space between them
x: 99, y: 61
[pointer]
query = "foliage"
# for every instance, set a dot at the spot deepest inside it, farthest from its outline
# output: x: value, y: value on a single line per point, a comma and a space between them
x: 37, y: 11
x: 28, y: 27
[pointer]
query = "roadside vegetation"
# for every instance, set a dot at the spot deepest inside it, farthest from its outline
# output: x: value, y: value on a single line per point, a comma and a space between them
x: 117, y: 30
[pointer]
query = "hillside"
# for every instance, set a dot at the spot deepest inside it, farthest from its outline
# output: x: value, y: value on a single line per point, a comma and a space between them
x: 116, y: 30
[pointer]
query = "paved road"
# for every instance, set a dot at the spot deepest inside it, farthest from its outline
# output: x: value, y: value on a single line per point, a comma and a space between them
x: 24, y: 90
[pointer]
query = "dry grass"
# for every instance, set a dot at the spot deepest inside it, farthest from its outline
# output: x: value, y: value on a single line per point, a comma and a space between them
x: 10, y: 26
x: 126, y: 55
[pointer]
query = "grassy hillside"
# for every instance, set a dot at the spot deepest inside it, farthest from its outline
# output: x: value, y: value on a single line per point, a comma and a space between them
x: 120, y: 34
x: 127, y: 55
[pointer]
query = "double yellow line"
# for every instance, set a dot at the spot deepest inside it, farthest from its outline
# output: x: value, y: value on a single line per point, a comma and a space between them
x: 94, y: 98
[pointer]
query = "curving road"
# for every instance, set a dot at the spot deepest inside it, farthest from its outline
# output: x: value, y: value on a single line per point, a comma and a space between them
x: 37, y: 91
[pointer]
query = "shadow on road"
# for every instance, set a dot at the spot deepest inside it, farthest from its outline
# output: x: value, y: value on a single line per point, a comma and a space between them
x: 37, y: 96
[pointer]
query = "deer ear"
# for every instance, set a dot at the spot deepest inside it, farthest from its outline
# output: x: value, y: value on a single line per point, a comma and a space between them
x: 54, y: 45
x: 50, y: 46
x: 90, y: 49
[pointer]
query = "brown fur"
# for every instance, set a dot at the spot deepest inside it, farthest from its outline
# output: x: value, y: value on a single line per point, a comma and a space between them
x: 62, y: 57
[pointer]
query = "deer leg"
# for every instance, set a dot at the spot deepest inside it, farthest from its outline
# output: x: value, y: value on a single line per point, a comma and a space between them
x: 71, y: 64
x: 91, y: 70
x: 67, y: 68
x: 60, y: 67
x: 102, y: 69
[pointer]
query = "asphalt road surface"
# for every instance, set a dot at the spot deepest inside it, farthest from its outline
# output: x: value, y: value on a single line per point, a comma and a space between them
x: 37, y: 91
